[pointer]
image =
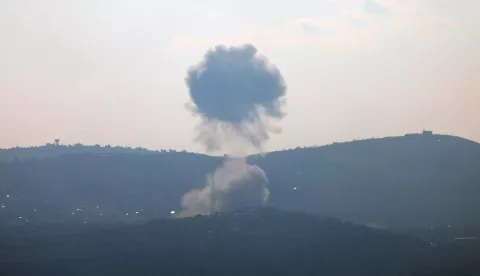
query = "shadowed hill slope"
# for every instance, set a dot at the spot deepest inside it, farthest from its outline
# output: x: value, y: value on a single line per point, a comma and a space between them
x: 245, y: 242
x: 422, y: 180
x: 416, y: 179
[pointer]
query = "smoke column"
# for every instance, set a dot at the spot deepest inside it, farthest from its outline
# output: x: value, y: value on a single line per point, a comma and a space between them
x: 238, y: 95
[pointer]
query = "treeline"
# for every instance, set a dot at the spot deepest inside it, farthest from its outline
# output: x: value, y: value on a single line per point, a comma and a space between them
x: 51, y: 150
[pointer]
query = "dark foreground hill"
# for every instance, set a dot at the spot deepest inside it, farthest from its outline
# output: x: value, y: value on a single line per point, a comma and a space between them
x: 416, y: 180
x: 246, y: 242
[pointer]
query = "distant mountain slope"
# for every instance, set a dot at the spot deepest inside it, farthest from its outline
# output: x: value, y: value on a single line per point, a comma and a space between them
x: 415, y: 179
x: 421, y: 180
x: 246, y: 242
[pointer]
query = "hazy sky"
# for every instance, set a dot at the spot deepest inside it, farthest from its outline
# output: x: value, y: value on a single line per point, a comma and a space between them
x: 112, y: 71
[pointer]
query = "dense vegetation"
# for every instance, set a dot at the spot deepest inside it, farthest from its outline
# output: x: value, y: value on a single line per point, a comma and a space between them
x: 80, y: 210
x: 245, y: 242
x: 416, y: 180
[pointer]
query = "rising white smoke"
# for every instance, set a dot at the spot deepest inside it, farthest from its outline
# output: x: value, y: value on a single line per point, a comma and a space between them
x: 234, y: 185
x: 237, y: 94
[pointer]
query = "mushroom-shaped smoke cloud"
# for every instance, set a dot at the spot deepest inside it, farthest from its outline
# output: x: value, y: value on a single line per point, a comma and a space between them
x: 235, y: 92
x: 237, y: 95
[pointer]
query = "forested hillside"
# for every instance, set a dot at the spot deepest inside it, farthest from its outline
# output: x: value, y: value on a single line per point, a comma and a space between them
x: 244, y: 242
x: 420, y: 180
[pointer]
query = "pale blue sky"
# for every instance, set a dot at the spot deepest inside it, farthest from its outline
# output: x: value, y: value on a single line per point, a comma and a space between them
x: 112, y: 71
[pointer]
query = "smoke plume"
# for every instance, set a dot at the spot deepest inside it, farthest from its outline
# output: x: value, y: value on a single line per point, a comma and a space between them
x: 234, y: 185
x: 238, y: 95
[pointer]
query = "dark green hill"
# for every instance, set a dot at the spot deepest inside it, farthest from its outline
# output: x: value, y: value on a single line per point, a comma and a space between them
x: 427, y: 180
x: 415, y: 180
x: 245, y: 242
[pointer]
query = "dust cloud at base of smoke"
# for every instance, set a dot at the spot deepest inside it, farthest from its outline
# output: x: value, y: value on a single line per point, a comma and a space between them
x: 234, y: 185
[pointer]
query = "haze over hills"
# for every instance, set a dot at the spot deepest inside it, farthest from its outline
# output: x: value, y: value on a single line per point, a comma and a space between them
x: 415, y: 180
x: 246, y: 76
